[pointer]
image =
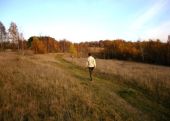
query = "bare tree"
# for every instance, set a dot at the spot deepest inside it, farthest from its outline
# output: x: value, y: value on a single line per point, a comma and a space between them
x: 14, y: 34
x: 2, y: 35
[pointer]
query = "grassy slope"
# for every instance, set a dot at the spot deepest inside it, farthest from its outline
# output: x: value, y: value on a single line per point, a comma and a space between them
x: 110, y: 87
x: 46, y: 87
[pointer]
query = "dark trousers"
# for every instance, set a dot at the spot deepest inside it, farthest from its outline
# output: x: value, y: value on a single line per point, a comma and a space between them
x: 90, y: 72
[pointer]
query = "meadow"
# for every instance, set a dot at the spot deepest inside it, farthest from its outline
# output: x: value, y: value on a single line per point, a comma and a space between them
x: 55, y: 87
x: 152, y: 79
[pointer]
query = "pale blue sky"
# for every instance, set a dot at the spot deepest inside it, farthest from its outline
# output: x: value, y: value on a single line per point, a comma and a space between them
x: 87, y: 20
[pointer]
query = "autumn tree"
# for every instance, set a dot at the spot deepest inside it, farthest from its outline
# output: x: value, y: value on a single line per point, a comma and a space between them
x: 47, y: 44
x: 34, y: 44
x: 83, y: 49
x: 64, y: 45
x: 38, y: 46
x: 72, y: 50
x: 50, y: 43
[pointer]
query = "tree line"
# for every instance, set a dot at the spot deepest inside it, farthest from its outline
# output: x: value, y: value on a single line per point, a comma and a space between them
x: 152, y: 51
x: 46, y: 44
x: 155, y: 52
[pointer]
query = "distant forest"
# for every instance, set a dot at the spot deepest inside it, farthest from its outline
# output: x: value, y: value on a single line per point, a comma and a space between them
x: 151, y: 51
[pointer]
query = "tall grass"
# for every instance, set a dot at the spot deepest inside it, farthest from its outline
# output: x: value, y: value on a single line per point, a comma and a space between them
x: 43, y: 88
x: 31, y: 89
x: 153, y: 80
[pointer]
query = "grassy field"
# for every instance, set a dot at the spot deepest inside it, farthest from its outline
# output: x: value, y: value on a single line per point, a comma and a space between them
x: 152, y: 79
x: 51, y: 87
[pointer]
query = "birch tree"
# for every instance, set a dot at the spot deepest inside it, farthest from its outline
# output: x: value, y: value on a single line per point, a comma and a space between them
x: 14, y: 34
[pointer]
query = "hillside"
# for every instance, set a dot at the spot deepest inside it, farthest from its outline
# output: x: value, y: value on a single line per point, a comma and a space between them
x: 52, y: 87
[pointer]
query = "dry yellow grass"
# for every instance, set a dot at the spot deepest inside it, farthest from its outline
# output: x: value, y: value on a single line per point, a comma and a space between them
x: 46, y: 88
x: 34, y: 88
x: 152, y: 78
x: 31, y: 89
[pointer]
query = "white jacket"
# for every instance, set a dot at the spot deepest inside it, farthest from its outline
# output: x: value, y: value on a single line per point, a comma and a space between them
x: 91, y: 62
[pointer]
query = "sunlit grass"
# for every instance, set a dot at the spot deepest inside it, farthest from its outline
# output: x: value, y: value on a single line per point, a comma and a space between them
x: 47, y: 87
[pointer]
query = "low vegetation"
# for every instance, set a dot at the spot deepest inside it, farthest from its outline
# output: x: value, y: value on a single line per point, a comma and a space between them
x: 49, y: 88
x: 153, y: 80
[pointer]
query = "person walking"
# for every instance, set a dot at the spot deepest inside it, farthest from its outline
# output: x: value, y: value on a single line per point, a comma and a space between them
x: 91, y: 64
